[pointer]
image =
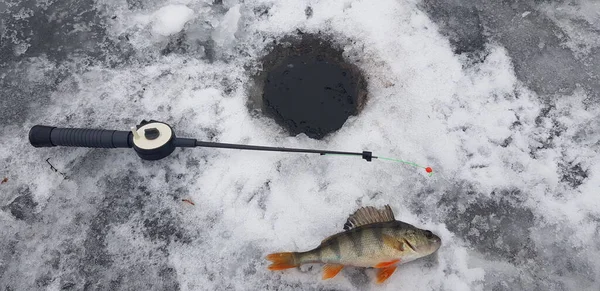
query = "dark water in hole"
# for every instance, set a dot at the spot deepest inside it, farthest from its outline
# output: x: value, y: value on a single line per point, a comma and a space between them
x: 308, y: 87
x: 311, y: 96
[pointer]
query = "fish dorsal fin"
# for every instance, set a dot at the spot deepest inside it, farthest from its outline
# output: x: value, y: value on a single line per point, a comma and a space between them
x: 369, y: 214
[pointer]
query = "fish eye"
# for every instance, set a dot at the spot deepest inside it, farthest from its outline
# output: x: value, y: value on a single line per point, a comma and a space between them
x: 428, y: 234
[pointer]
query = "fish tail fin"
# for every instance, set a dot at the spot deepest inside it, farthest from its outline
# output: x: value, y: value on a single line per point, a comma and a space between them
x: 282, y: 261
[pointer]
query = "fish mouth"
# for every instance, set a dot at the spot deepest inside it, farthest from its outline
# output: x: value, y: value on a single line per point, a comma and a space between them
x: 436, y: 243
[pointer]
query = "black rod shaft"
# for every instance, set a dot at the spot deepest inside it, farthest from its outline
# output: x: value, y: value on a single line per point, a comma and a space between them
x: 271, y: 149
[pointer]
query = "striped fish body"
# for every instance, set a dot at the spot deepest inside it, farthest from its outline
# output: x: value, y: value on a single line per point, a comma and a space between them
x: 373, y: 238
x: 365, y: 246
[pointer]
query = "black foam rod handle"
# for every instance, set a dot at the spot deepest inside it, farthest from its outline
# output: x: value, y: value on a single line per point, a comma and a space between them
x: 48, y: 136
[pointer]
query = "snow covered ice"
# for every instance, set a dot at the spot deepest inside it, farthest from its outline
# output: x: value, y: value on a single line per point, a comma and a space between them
x: 170, y: 19
x: 500, y: 99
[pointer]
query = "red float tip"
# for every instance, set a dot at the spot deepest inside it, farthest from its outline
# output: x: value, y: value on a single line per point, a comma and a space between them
x: 428, y: 170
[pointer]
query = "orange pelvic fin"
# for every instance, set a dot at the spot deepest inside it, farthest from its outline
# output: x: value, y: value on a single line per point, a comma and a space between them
x: 331, y: 270
x: 386, y: 264
x: 384, y: 273
x: 282, y: 261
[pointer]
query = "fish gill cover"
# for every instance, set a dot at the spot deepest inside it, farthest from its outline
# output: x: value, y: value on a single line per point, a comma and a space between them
x: 501, y: 99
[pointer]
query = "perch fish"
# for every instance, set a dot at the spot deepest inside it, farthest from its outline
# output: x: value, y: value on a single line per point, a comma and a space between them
x: 372, y: 238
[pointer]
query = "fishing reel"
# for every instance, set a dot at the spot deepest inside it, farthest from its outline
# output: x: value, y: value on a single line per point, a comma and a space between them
x: 151, y: 140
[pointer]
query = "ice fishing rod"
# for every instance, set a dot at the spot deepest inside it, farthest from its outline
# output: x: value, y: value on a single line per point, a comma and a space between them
x: 154, y: 140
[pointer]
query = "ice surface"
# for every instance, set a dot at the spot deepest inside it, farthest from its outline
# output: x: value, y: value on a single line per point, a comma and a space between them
x: 224, y: 34
x: 171, y: 19
x: 505, y: 111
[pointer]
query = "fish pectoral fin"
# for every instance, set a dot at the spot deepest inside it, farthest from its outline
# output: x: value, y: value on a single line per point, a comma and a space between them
x: 383, y: 265
x: 392, y: 242
x: 331, y: 270
x: 409, y: 245
x: 384, y: 273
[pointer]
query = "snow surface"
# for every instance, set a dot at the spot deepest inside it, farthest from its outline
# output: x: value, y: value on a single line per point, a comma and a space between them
x: 170, y: 19
x: 511, y: 127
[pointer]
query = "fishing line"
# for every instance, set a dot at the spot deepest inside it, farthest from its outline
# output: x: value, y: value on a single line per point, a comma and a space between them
x: 429, y: 170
